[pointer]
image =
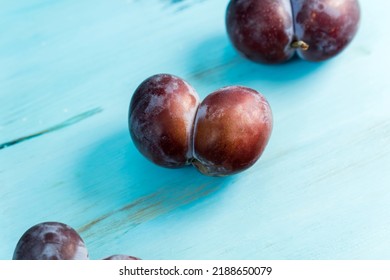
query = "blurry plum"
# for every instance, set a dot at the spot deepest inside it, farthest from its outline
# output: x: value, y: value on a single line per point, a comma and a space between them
x: 270, y: 31
x: 121, y: 257
x: 50, y: 241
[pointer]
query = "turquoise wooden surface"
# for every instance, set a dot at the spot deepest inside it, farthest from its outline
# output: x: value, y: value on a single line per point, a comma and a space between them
x: 68, y: 69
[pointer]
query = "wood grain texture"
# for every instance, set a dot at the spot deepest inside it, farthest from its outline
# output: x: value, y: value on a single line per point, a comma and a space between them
x: 68, y: 69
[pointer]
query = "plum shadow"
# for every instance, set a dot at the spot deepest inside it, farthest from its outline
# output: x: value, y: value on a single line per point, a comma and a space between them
x: 124, y: 189
x: 215, y: 62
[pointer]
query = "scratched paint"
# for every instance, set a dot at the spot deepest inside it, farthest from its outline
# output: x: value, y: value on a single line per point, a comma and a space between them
x: 66, y: 123
x: 181, y: 5
x: 147, y: 208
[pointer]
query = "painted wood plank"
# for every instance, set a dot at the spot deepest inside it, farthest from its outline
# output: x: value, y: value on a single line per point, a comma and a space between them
x: 67, y: 73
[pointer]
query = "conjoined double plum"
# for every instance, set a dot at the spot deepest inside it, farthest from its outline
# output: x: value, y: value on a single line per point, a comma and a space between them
x: 223, y: 135
x: 271, y: 31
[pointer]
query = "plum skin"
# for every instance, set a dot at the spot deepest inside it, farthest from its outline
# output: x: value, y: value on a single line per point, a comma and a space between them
x: 50, y: 241
x: 327, y: 26
x: 269, y: 31
x: 161, y: 115
x: 121, y: 257
x: 232, y: 128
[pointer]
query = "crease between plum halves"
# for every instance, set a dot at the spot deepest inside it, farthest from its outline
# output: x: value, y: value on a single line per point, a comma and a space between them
x: 223, y: 135
x: 271, y: 31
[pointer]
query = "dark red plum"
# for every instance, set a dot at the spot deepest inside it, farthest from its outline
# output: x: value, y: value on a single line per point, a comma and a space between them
x: 161, y: 115
x: 224, y: 135
x: 270, y: 31
x: 50, y: 241
x: 261, y: 30
x: 326, y: 26
x: 232, y: 128
x: 121, y: 257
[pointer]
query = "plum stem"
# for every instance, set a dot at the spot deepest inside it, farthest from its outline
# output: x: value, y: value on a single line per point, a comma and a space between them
x: 300, y: 45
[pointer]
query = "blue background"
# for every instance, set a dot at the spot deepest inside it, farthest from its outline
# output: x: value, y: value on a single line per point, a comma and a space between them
x: 68, y: 69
